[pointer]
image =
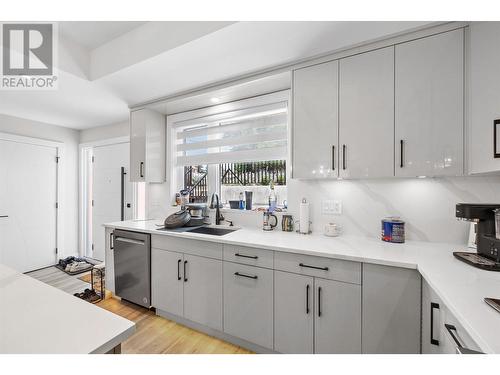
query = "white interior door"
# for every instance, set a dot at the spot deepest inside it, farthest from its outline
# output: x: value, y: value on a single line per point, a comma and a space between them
x: 107, y: 191
x: 28, y: 195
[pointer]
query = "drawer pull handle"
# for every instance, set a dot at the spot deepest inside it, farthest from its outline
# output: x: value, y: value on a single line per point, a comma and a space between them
x: 247, y: 276
x: 307, y: 298
x: 246, y: 256
x: 111, y: 241
x: 319, y: 302
x: 314, y: 267
x: 434, y: 305
x: 452, y: 330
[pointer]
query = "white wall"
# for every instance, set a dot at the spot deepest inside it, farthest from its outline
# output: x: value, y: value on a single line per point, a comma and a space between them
x: 120, y: 129
x: 70, y: 138
x: 426, y: 205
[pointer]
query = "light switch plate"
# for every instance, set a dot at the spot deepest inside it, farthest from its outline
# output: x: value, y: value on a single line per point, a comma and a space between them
x: 331, y: 207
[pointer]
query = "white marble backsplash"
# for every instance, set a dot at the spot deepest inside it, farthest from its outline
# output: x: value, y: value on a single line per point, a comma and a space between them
x: 426, y: 205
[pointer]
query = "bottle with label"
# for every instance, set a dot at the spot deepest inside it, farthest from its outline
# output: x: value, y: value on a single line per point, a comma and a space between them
x: 242, y: 202
x: 273, y: 198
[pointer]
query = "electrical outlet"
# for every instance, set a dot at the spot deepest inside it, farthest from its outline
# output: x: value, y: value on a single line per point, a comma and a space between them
x: 331, y: 207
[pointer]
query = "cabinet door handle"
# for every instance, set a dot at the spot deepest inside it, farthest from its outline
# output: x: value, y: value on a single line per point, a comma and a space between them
x: 111, y: 242
x: 3, y: 216
x: 179, y: 269
x: 307, y: 298
x: 401, y: 156
x: 141, y: 169
x: 246, y: 256
x: 452, y: 330
x: 434, y: 305
x: 247, y: 276
x: 319, y: 301
x: 314, y: 267
x: 333, y: 157
x: 185, y: 274
x: 344, y: 150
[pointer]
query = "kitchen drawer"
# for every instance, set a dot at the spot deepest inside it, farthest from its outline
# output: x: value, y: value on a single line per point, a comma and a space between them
x: 446, y: 342
x: 248, y: 303
x: 333, y: 269
x: 187, y: 246
x: 249, y: 255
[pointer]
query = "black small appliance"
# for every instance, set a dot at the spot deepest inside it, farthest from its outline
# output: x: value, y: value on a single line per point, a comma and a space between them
x: 488, y: 246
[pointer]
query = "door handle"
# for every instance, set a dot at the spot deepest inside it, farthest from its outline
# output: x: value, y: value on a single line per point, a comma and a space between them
x: 179, y: 269
x: 452, y: 330
x: 185, y: 274
x: 333, y: 157
x: 344, y: 151
x: 307, y: 298
x: 111, y: 244
x: 433, y: 340
x: 401, y: 155
x: 141, y: 169
x: 319, y: 301
x: 255, y: 277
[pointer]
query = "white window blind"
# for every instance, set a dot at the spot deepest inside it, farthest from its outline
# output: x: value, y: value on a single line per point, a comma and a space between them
x: 252, y: 134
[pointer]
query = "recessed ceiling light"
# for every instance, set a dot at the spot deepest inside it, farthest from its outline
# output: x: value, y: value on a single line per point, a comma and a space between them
x: 421, y: 176
x: 215, y: 100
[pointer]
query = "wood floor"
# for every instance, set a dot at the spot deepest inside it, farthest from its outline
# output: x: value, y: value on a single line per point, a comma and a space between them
x: 156, y: 335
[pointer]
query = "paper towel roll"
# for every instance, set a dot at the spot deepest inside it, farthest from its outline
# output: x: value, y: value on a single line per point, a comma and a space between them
x: 304, y: 217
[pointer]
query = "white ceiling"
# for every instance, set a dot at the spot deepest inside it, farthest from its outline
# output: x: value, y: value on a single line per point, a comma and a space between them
x: 91, y: 34
x: 101, y: 74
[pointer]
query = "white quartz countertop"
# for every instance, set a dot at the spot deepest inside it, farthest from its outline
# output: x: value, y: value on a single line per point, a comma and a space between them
x: 460, y: 286
x: 36, y: 318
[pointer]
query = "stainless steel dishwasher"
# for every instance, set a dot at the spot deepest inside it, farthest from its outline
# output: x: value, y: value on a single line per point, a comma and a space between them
x: 132, y: 261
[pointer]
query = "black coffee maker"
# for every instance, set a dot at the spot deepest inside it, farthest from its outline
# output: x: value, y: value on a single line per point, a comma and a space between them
x: 488, y: 246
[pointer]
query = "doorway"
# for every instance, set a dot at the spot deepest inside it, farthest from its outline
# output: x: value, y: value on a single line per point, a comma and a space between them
x: 28, y: 202
x: 107, y: 193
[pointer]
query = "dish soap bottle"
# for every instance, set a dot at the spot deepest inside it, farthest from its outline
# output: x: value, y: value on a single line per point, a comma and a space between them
x: 273, y: 198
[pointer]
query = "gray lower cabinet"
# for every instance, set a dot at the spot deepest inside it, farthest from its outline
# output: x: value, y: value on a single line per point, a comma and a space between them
x: 337, y: 327
x: 203, y: 291
x: 187, y: 285
x: 314, y: 315
x: 293, y: 313
x: 248, y: 303
x: 391, y: 310
x: 167, y: 283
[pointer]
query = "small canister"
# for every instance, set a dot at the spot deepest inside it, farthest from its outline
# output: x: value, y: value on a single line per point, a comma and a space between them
x: 393, y: 230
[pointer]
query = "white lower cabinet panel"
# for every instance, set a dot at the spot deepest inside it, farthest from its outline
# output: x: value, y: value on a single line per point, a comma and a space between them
x: 293, y: 313
x: 203, y: 290
x: 167, y: 281
x: 248, y: 303
x: 337, y: 327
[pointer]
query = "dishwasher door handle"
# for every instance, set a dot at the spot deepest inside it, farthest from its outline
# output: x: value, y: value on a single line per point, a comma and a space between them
x: 129, y: 240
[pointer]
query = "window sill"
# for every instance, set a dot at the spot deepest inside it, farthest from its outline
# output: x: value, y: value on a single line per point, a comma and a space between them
x: 247, y: 212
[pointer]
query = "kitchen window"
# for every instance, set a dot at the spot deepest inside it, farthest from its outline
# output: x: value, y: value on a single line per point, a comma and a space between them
x: 234, y: 151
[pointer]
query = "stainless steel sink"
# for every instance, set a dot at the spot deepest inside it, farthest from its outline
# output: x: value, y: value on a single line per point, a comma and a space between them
x: 214, y: 231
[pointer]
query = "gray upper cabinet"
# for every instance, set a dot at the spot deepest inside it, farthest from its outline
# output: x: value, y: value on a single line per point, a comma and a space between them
x: 484, y: 96
x: 366, y: 105
x: 429, y: 106
x: 147, y: 146
x: 391, y: 310
x: 315, y: 121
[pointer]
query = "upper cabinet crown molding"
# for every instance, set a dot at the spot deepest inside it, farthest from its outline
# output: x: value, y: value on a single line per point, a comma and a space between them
x: 147, y: 146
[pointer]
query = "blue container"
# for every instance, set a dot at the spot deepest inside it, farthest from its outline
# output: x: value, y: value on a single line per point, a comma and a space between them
x: 393, y: 230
